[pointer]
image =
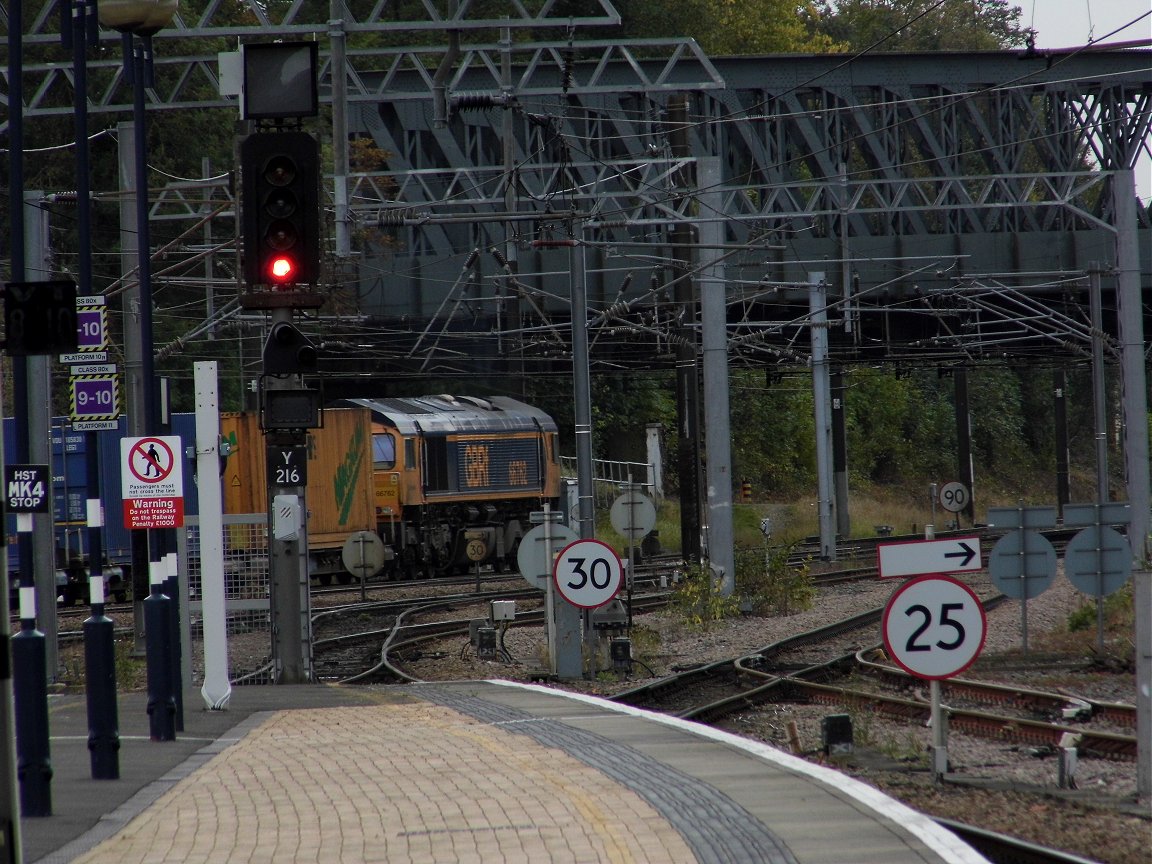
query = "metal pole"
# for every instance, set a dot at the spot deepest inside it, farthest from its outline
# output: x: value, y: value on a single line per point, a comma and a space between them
x: 964, y: 441
x: 158, y: 625
x: 582, y: 392
x: 32, y: 743
x: 9, y: 793
x: 1099, y: 415
x: 687, y: 385
x: 38, y: 422
x: 939, y: 733
x: 288, y: 554
x: 1135, y: 411
x: 714, y: 367
x: 550, y: 591
x: 1060, y: 422
x: 100, y: 688
x: 339, y: 75
x: 822, y: 402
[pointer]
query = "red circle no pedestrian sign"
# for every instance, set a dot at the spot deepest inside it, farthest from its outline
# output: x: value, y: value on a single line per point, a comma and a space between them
x: 150, y: 460
x: 152, y: 482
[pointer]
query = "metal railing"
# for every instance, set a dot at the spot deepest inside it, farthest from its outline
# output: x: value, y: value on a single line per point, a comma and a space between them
x: 246, y: 592
x: 609, y: 477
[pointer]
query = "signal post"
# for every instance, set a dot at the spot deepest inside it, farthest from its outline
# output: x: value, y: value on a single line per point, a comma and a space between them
x: 281, y: 240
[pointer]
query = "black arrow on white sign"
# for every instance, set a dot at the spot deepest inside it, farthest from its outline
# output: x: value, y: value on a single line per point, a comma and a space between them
x: 966, y: 554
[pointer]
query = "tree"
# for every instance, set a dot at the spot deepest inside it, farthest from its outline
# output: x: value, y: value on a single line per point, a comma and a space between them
x: 726, y: 27
x: 921, y: 25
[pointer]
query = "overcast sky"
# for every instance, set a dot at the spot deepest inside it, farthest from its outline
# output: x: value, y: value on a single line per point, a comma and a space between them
x: 1069, y: 23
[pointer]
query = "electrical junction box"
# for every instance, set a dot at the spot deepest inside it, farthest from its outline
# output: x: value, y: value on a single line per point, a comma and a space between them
x: 286, y: 517
x: 836, y: 731
x: 486, y: 643
x: 503, y: 610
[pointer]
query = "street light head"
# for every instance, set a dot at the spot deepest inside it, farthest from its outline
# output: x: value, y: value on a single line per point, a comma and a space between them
x: 142, y: 17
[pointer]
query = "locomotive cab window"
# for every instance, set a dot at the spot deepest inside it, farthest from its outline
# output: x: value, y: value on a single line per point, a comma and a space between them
x: 383, y: 450
x: 409, y: 454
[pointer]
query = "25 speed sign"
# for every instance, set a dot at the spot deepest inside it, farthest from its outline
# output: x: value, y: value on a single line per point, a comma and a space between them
x: 934, y: 626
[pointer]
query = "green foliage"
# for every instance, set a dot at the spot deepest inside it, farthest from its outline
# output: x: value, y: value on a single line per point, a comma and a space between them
x: 773, y: 434
x: 920, y: 25
x: 766, y: 581
x: 698, y: 598
x: 726, y: 26
x: 1118, y: 612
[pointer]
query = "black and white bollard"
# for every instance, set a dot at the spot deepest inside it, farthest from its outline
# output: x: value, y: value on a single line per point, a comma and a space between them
x: 172, y: 589
x: 30, y: 682
x: 100, y: 687
x: 158, y: 647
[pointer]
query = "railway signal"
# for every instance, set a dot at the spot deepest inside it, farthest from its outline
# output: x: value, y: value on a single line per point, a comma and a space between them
x: 280, y: 203
x: 287, y: 351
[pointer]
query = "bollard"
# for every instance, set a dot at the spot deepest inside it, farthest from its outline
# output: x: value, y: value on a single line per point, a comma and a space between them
x: 100, y: 687
x: 30, y: 680
x: 158, y: 638
x: 172, y: 589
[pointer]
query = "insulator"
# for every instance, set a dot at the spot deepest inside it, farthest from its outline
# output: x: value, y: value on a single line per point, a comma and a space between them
x: 500, y: 257
x: 470, y: 261
x: 617, y: 309
x: 569, y: 58
x: 476, y: 101
x: 626, y: 283
x: 66, y: 197
x: 393, y: 218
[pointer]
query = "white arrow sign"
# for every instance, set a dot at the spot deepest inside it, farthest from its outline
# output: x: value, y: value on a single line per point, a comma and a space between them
x: 919, y: 557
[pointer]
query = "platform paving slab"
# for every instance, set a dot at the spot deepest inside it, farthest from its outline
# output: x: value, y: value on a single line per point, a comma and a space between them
x: 460, y: 772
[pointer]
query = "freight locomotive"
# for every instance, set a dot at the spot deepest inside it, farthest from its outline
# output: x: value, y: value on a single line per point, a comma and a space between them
x: 446, y: 482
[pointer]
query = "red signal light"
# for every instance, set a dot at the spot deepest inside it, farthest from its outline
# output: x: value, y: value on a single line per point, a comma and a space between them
x: 281, y: 270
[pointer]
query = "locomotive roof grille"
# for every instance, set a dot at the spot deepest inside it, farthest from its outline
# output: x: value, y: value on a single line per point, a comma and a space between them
x: 433, y: 415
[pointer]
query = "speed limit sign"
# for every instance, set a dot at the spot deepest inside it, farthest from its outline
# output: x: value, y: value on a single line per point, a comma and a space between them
x: 588, y: 573
x: 954, y: 497
x: 934, y: 626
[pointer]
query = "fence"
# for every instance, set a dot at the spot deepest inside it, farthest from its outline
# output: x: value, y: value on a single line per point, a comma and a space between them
x: 608, y: 477
x: 246, y: 598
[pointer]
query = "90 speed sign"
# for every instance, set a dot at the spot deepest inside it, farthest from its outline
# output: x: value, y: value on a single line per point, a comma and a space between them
x: 934, y: 626
x: 588, y: 573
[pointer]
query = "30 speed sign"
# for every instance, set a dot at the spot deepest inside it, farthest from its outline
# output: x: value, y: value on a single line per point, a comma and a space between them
x: 934, y: 626
x: 588, y: 573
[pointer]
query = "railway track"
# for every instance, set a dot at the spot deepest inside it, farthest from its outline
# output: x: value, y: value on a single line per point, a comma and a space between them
x: 799, y: 668
x: 377, y: 655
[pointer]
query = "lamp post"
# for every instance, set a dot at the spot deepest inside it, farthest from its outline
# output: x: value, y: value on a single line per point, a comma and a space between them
x: 137, y: 21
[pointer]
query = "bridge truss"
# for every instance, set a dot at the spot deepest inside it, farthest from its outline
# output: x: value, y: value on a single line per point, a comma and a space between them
x: 923, y: 187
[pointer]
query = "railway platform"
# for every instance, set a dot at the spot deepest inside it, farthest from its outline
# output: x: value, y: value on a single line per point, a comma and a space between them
x: 462, y: 772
